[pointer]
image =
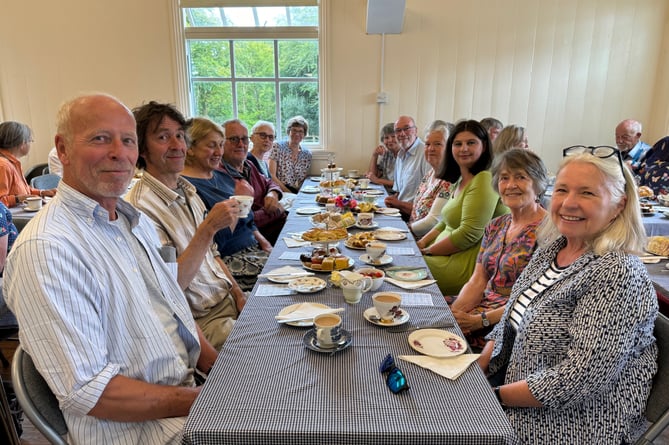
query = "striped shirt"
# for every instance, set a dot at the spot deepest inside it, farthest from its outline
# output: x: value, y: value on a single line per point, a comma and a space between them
x: 549, y: 277
x: 85, y: 313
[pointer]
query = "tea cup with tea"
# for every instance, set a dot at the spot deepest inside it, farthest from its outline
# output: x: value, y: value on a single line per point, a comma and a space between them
x: 387, y: 305
x: 328, y: 330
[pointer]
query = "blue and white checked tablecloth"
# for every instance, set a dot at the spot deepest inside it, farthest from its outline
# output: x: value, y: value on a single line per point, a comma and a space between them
x: 267, y: 388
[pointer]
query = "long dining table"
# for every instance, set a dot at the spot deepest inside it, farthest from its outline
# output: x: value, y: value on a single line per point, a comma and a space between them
x: 268, y: 388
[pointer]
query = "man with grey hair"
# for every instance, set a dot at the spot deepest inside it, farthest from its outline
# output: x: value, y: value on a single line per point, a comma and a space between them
x: 628, y: 140
x: 99, y: 310
x: 410, y: 166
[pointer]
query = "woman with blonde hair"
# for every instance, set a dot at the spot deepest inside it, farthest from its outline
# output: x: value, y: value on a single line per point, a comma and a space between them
x: 511, y: 136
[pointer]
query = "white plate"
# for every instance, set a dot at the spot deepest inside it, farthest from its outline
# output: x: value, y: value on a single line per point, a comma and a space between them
x: 307, y: 285
x: 374, y: 192
x: 388, y: 211
x: 311, y: 189
x: 308, y: 210
x: 373, y: 226
x: 310, y: 322
x: 317, y: 178
x: 31, y: 210
x: 390, y: 235
x: 385, y: 259
x: 403, y: 318
x: 282, y: 279
x: 407, y: 275
x: 351, y: 262
x: 437, y: 343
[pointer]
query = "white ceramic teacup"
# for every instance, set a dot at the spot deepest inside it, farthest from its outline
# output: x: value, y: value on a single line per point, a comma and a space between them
x: 375, y: 274
x: 245, y: 203
x: 353, y: 289
x: 328, y: 330
x: 386, y: 304
x: 353, y: 173
x: 33, y: 203
x: 363, y: 183
x: 365, y: 219
x: 375, y: 250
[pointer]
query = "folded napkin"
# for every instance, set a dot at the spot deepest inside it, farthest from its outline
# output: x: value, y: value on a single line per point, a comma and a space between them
x: 451, y: 367
x: 409, y: 284
x: 273, y: 290
x: 292, y: 242
x: 305, y: 311
x: 286, y: 270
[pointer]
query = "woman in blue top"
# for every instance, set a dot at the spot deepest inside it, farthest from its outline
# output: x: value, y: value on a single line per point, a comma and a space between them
x: 8, y: 234
x: 245, y: 250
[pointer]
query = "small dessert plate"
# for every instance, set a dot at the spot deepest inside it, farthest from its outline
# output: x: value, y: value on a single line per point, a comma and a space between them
x: 310, y: 342
x: 437, y: 343
x: 374, y: 225
x: 374, y: 192
x: 372, y: 316
x: 385, y: 259
x: 407, y: 274
x: 307, y: 285
x: 308, y: 210
x: 311, y: 189
x: 389, y: 235
x: 388, y: 211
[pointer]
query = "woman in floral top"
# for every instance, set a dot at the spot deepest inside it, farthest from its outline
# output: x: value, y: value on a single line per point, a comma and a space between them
x: 520, y: 178
x: 433, y: 192
x: 289, y: 163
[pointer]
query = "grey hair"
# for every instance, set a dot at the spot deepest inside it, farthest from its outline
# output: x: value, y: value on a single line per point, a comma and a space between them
x: 297, y: 121
x: 262, y: 124
x: 14, y: 134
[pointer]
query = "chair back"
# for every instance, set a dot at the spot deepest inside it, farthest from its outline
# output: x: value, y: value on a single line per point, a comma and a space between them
x: 657, y: 407
x: 35, y: 397
x: 35, y: 170
x: 45, y: 182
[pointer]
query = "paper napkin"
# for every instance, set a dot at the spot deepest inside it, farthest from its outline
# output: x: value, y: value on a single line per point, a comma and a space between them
x: 291, y: 255
x: 451, y: 367
x: 273, y: 290
x: 410, y: 284
x: 307, y: 311
x: 286, y: 270
x: 292, y: 242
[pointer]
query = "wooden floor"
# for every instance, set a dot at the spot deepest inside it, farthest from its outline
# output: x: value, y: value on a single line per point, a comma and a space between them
x: 31, y: 436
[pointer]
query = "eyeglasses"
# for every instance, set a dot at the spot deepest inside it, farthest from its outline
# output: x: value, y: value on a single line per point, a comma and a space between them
x: 297, y: 130
x: 404, y: 129
x: 395, y: 380
x: 600, y: 151
x: 265, y: 136
x: 236, y: 139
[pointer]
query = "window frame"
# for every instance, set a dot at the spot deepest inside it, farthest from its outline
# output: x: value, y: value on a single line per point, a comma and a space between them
x: 181, y: 35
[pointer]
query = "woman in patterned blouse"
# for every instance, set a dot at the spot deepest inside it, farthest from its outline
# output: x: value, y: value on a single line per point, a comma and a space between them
x: 520, y: 178
x: 575, y: 351
x: 289, y: 163
x: 433, y: 192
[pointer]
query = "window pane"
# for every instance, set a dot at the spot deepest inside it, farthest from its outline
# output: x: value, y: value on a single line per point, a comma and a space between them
x: 256, y: 101
x: 213, y: 100
x: 252, y: 16
x: 209, y: 58
x: 298, y: 58
x: 300, y: 98
x: 254, y: 58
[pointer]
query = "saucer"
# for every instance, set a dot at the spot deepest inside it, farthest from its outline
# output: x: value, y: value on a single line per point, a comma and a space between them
x: 31, y: 210
x: 374, y: 192
x: 308, y: 210
x: 388, y: 211
x: 437, y: 343
x: 310, y: 342
x: 301, y: 323
x: 374, y: 225
x: 311, y: 189
x: 385, y: 259
x: 307, y: 285
x: 404, y: 317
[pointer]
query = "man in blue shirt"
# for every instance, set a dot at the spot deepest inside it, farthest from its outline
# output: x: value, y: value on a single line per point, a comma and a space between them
x: 628, y: 140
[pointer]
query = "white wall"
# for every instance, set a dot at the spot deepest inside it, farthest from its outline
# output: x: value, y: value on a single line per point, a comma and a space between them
x: 569, y: 70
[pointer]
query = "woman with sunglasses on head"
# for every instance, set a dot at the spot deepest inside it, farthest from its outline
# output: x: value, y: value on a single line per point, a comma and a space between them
x: 574, y: 353
x: 289, y: 162
x: 520, y: 178
x: 451, y: 247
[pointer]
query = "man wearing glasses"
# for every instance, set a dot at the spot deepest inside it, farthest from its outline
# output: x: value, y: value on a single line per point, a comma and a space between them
x: 410, y: 166
x: 268, y: 214
x: 628, y: 140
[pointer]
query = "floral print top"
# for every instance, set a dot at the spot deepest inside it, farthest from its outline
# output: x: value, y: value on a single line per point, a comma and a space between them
x: 430, y: 188
x: 291, y: 173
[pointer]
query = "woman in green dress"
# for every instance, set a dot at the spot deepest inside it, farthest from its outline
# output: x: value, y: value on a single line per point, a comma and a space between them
x: 451, y: 247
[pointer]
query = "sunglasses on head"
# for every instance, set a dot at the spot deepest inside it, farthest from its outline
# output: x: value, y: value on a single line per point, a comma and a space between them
x: 396, y: 380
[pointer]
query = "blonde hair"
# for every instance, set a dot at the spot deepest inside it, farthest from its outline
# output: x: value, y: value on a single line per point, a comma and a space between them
x: 626, y: 232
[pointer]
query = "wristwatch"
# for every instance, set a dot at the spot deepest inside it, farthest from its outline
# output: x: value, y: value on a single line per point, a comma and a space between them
x: 484, y: 320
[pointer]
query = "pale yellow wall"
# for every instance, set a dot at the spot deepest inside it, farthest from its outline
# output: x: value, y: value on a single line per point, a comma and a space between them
x: 569, y: 70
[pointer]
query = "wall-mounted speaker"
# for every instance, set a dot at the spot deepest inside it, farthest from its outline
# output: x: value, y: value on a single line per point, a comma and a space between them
x: 385, y: 16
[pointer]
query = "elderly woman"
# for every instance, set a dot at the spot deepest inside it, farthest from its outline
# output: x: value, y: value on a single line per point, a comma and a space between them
x: 243, y: 250
x: 289, y: 162
x: 433, y: 192
x: 511, y: 136
x: 451, y: 247
x: 575, y: 349
x: 15, y: 140
x: 262, y: 136
x: 382, y: 164
x: 520, y: 178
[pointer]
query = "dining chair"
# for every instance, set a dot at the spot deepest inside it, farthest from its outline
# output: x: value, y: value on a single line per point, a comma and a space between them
x: 35, y: 170
x: 35, y: 397
x: 45, y: 182
x: 657, y: 406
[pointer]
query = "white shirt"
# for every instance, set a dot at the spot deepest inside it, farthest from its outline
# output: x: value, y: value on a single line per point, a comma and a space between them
x: 410, y: 168
x: 86, y: 315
